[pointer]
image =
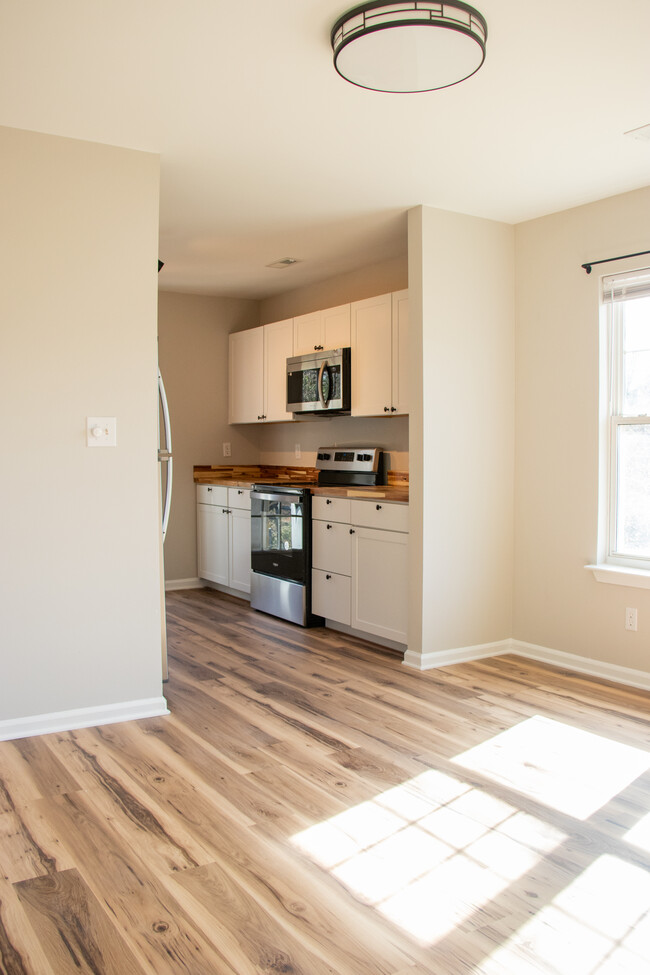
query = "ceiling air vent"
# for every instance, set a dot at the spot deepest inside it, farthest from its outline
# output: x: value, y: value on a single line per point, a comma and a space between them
x: 285, y: 262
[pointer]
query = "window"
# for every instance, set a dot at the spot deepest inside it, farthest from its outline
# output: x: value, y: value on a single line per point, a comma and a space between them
x: 626, y: 395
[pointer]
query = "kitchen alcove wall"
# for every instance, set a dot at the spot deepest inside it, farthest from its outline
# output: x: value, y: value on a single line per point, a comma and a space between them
x: 193, y: 354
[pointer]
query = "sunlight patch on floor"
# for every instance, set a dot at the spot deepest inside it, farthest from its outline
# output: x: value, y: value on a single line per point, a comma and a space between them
x: 427, y: 854
x: 565, y: 768
x: 597, y: 925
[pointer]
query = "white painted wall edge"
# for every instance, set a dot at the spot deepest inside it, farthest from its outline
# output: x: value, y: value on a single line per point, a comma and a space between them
x: 558, y: 658
x: 171, y: 584
x: 44, y: 724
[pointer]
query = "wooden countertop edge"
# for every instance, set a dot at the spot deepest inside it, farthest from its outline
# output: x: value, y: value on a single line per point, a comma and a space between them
x: 397, y: 492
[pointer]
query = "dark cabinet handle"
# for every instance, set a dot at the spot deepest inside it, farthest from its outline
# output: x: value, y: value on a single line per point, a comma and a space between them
x: 328, y: 527
x: 318, y: 348
x: 239, y: 491
x: 328, y: 500
x: 259, y: 417
x: 209, y: 490
x: 328, y: 577
x: 226, y: 511
x: 352, y: 531
x: 393, y: 409
x: 378, y: 507
x: 387, y: 409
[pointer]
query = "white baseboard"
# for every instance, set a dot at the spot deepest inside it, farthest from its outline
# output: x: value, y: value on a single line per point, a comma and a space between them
x: 558, y: 658
x: 44, y: 724
x: 444, y: 658
x: 183, y: 584
x: 583, y: 665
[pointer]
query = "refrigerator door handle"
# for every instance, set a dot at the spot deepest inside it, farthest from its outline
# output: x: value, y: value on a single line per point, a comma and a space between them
x: 165, y: 454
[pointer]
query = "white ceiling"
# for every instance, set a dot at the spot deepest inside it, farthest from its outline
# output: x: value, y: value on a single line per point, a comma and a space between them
x: 267, y: 153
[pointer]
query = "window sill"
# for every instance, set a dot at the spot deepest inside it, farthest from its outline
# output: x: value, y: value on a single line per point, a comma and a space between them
x: 621, y: 575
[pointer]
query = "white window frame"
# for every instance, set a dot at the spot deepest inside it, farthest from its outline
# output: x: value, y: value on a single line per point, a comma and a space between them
x: 612, y: 566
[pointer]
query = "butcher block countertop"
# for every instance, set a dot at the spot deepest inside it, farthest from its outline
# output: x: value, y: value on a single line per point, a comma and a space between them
x: 245, y: 475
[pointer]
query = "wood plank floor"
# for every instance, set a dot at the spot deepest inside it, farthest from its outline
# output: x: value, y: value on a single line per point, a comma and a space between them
x: 311, y: 806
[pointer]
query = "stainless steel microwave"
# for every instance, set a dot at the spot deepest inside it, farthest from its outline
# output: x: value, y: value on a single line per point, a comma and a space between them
x: 319, y: 382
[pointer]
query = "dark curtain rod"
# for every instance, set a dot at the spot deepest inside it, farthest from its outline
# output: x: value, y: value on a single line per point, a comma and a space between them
x: 606, y: 260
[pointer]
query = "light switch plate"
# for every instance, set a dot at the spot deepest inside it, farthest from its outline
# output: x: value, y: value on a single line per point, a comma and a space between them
x: 101, y: 431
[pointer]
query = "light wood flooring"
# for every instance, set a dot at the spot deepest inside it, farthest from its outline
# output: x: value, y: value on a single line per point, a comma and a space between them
x: 312, y: 806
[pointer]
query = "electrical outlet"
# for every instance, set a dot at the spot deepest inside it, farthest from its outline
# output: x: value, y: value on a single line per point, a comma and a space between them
x: 630, y: 618
x: 298, y: 452
x: 226, y: 449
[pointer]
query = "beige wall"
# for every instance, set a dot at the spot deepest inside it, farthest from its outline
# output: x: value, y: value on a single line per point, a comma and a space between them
x: 462, y: 442
x: 365, y: 282
x: 193, y: 353
x: 79, y: 563
x: 558, y: 604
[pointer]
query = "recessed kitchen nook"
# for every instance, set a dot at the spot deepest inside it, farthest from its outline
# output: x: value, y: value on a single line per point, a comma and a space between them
x: 324, y: 544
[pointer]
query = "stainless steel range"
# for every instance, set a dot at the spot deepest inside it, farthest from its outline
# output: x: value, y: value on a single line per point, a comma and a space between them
x: 281, y: 531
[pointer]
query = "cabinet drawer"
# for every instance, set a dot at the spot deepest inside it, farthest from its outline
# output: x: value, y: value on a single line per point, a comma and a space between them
x: 371, y: 514
x: 331, y: 547
x: 330, y: 596
x: 212, y: 494
x: 331, y: 509
x: 239, y: 498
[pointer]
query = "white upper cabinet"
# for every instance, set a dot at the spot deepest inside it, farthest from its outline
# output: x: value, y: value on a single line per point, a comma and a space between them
x: 246, y: 376
x: 257, y: 373
x: 278, y: 347
x: 379, y: 340
x: 400, y: 351
x: 328, y: 329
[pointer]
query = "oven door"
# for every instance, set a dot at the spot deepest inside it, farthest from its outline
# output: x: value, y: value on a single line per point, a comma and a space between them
x: 280, y: 535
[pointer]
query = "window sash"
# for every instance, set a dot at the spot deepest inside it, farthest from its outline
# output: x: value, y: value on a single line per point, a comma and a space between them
x: 617, y: 419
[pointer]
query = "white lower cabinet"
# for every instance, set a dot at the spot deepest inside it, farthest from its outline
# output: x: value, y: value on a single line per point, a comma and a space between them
x: 379, y: 587
x: 359, y: 559
x: 223, y: 524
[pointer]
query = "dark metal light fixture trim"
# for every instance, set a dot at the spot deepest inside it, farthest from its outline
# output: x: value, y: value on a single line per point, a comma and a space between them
x: 449, y: 20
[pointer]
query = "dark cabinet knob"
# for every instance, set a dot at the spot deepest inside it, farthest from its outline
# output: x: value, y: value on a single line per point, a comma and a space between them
x: 328, y: 527
x: 378, y: 507
x: 328, y: 500
x: 393, y: 409
x: 387, y: 409
x: 259, y: 417
x: 352, y: 531
x: 209, y: 490
x: 239, y: 491
x: 328, y: 577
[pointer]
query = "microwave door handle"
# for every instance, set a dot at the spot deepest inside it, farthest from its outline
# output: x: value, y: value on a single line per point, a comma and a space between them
x: 321, y: 396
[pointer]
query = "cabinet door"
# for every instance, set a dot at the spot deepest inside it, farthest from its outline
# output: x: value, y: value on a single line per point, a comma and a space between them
x: 335, y: 327
x: 246, y: 376
x: 379, y: 583
x: 306, y: 333
x: 330, y: 596
x: 400, y: 347
x: 371, y: 356
x: 240, y: 550
x: 278, y: 347
x: 331, y: 548
x: 212, y: 543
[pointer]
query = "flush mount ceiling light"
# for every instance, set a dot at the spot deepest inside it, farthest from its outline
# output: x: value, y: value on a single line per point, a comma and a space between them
x: 409, y: 47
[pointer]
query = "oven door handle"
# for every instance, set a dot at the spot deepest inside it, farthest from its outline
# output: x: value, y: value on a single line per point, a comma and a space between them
x: 287, y: 498
x: 321, y: 373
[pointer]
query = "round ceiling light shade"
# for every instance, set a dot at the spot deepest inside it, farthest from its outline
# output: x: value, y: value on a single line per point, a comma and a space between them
x: 409, y: 46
